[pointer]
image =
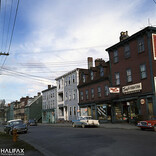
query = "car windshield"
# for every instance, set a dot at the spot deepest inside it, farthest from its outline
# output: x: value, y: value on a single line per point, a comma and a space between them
x: 85, y: 118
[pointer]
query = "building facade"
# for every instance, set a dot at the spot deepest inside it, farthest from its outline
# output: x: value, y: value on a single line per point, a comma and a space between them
x: 33, y: 110
x: 94, y: 90
x: 67, y: 95
x: 133, y: 71
x: 49, y: 105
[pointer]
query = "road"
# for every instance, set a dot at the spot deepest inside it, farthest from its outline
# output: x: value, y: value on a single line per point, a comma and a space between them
x: 67, y: 141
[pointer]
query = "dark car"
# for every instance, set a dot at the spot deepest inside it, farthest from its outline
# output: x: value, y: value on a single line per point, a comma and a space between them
x: 32, y: 122
x: 15, y: 124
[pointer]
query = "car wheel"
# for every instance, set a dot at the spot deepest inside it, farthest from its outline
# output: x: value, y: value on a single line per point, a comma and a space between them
x: 73, y: 125
x: 155, y: 128
x: 142, y: 129
x: 83, y: 125
x: 25, y: 132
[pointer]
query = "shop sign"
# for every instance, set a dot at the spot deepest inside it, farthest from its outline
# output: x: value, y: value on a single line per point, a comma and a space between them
x: 142, y: 101
x: 154, y: 45
x: 114, y: 90
x: 132, y: 88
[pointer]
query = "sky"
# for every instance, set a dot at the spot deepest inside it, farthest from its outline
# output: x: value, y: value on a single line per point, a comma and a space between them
x: 52, y: 37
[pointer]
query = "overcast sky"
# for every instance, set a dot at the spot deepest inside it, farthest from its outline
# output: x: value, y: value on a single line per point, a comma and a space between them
x: 52, y: 37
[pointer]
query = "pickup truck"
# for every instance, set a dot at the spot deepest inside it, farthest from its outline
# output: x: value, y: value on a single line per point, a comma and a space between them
x: 85, y: 121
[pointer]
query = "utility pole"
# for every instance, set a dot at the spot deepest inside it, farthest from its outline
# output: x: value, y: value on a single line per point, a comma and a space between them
x: 4, y: 54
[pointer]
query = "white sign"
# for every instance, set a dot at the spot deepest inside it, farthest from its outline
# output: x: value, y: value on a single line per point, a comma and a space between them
x: 114, y: 90
x: 132, y: 88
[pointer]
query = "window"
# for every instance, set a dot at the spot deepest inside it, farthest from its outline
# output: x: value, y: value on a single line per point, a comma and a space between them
x: 117, y: 78
x: 73, y: 78
x: 59, y: 84
x: 127, y: 51
x: 69, y: 80
x: 70, y: 110
x: 86, y: 94
x: 81, y: 94
x: 92, y: 93
x: 140, y: 45
x: 101, y: 71
x: 143, y: 71
x: 74, y: 94
x: 106, y: 90
x: 99, y: 91
x: 66, y: 81
x: 66, y: 96
x: 116, y: 59
x: 84, y: 78
x: 74, y: 110
x: 129, y: 75
x: 91, y: 75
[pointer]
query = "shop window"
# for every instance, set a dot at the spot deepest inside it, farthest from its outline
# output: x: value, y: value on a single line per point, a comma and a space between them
x: 117, y: 78
x: 143, y: 71
x: 116, y: 58
x: 129, y: 75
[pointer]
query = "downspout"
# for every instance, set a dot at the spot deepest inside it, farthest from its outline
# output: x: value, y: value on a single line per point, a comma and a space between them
x: 149, y: 37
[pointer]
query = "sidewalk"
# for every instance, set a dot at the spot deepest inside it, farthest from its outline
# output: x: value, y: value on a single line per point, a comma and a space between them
x: 104, y: 125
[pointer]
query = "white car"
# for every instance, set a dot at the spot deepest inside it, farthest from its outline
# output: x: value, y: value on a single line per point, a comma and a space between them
x: 85, y: 121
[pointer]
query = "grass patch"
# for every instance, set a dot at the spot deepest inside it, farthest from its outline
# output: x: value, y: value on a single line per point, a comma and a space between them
x: 6, y: 140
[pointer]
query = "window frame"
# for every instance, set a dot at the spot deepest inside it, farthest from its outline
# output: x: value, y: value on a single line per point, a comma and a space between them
x: 115, y: 56
x: 117, y: 79
x: 129, y: 75
x: 144, y: 71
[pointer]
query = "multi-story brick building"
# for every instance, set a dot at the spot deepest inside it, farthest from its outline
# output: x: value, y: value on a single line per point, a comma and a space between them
x: 133, y: 70
x: 49, y: 104
x: 94, y: 90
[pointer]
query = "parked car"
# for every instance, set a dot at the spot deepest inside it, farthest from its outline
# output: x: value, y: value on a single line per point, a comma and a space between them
x: 17, y: 124
x: 32, y: 122
x: 147, y: 124
x: 85, y: 121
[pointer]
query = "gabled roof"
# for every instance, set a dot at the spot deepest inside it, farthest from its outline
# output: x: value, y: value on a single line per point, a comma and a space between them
x: 33, y: 100
x: 141, y: 32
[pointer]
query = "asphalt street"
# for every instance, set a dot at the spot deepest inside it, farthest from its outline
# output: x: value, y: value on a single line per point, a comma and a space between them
x: 68, y: 141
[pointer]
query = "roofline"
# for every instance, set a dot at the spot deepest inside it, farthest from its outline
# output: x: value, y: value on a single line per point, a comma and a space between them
x: 68, y: 73
x: 36, y: 98
x: 49, y: 89
x: 149, y: 28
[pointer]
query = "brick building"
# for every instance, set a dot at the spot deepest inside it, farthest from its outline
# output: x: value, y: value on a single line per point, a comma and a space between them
x: 133, y: 71
x: 94, y: 97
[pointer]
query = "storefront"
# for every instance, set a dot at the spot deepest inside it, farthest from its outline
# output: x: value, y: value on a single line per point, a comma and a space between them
x: 102, y: 112
x: 49, y: 116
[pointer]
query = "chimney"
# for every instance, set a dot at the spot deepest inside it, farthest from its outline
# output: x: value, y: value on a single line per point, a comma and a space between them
x: 90, y: 62
x: 123, y: 35
x: 39, y: 93
x: 99, y: 61
x: 49, y: 86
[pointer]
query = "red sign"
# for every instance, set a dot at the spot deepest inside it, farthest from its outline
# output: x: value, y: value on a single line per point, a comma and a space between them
x: 114, y: 90
x: 154, y: 45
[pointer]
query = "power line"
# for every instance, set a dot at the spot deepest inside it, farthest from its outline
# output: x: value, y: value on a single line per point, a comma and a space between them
x: 61, y: 50
x: 154, y: 1
x: 12, y: 32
